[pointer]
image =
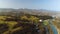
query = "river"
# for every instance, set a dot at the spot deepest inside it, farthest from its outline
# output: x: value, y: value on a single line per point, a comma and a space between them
x: 53, y: 27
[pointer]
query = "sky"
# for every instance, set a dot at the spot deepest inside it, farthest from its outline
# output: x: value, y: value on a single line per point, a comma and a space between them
x: 31, y: 4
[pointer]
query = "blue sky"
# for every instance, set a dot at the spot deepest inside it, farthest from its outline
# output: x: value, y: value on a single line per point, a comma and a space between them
x: 31, y: 4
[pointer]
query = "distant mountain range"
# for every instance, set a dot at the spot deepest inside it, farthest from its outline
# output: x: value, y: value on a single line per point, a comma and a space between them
x: 28, y: 11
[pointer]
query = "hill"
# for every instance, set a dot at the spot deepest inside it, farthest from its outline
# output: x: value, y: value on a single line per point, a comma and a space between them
x: 7, y: 11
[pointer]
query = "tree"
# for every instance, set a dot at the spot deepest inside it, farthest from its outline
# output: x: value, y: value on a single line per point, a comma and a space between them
x: 33, y: 19
x: 24, y: 18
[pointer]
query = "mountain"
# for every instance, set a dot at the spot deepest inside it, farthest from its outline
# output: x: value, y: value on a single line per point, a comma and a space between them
x: 6, y: 11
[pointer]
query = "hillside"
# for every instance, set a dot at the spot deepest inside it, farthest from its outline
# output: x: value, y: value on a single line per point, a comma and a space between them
x: 28, y: 11
x: 23, y: 21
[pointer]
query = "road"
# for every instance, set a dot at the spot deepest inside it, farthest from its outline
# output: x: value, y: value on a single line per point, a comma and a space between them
x: 53, y: 27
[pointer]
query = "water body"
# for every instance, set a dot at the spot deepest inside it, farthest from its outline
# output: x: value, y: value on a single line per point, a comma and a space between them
x: 53, y: 27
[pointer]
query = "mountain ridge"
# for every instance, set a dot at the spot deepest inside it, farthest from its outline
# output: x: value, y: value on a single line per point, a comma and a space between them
x: 29, y: 11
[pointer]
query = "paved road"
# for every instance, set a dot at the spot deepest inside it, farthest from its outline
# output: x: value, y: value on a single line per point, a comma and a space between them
x: 53, y: 27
